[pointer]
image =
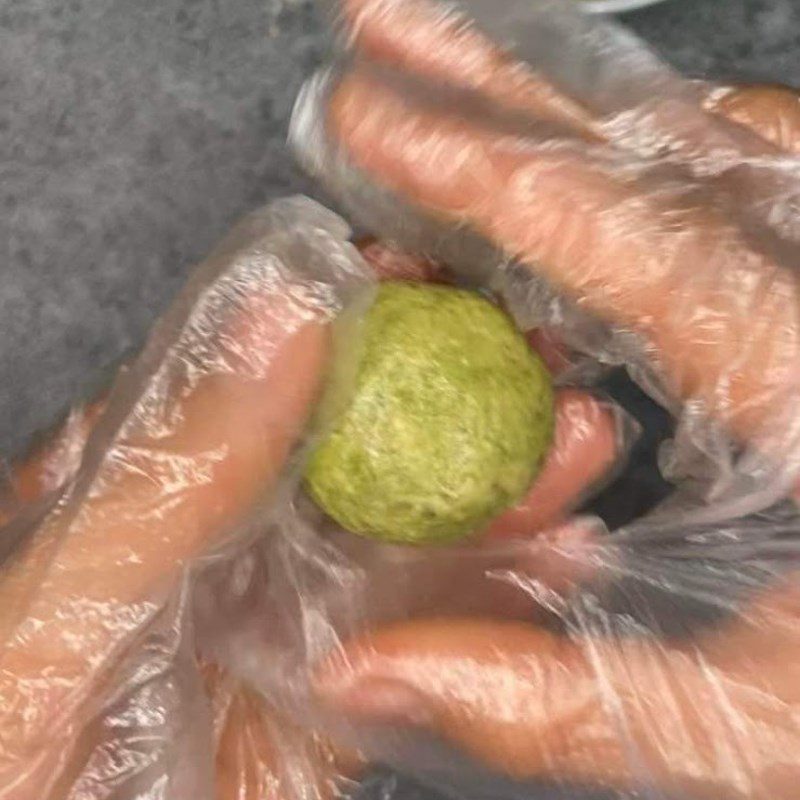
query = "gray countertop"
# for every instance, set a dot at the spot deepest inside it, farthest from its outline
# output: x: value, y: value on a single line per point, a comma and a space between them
x: 133, y: 133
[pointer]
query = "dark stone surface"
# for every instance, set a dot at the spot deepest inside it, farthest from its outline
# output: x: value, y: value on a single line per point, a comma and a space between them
x: 133, y: 133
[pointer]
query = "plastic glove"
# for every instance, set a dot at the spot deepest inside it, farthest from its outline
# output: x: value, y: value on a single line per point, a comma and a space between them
x: 712, y: 715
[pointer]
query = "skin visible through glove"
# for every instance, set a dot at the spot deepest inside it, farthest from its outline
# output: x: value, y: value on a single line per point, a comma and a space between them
x: 116, y: 553
x: 772, y: 112
x: 435, y: 41
x: 422, y: 38
x: 521, y: 196
x: 710, y: 719
x: 531, y: 703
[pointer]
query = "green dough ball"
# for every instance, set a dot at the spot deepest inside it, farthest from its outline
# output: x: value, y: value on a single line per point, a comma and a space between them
x: 448, y: 423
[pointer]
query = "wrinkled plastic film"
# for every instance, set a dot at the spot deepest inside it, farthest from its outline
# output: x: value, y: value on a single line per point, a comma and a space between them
x: 497, y: 650
x: 546, y: 60
x: 489, y: 650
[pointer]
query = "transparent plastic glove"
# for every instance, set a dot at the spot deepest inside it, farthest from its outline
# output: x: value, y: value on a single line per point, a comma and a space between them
x: 250, y: 738
x: 673, y: 673
x: 257, y: 748
x: 772, y: 112
x: 712, y: 717
x: 190, y: 446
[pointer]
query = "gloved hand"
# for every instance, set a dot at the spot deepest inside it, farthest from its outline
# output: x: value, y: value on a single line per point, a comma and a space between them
x: 633, y: 240
x: 711, y: 716
x: 73, y: 594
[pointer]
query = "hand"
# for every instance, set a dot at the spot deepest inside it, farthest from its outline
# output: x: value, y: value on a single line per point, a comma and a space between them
x: 182, y: 463
x: 251, y: 421
x: 710, y: 717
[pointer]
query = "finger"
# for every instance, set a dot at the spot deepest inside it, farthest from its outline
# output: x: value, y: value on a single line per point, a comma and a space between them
x: 382, y: 679
x: 250, y: 422
x: 599, y: 712
x: 422, y: 38
x: 158, y: 500
x: 586, y: 448
x: 48, y: 466
x: 247, y: 761
x: 773, y: 112
x: 628, y: 250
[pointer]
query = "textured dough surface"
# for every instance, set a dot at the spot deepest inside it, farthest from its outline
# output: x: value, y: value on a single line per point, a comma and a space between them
x: 449, y: 421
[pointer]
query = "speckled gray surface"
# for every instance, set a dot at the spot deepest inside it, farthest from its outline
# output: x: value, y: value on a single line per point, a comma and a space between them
x: 132, y: 133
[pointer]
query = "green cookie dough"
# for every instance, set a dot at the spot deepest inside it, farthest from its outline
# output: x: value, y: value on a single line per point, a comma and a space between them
x: 448, y: 423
